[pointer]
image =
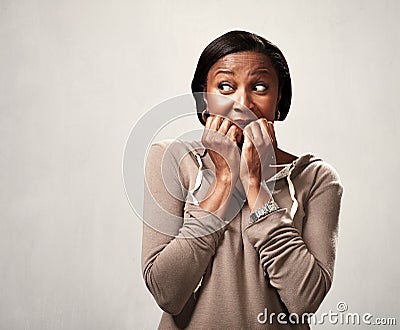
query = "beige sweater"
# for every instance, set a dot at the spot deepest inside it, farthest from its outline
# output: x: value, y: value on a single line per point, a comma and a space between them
x: 282, y: 263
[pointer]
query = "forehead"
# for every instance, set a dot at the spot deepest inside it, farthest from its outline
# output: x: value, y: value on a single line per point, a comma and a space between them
x: 244, y: 61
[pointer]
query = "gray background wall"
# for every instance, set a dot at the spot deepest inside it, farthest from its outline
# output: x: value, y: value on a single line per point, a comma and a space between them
x: 75, y: 77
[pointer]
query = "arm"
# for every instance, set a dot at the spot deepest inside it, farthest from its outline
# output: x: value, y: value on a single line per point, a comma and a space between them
x: 301, y: 267
x: 174, y: 260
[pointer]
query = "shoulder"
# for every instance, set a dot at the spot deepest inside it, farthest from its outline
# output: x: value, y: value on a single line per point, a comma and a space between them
x: 175, y: 156
x: 162, y: 154
x: 175, y: 148
x: 318, y: 173
x: 323, y: 169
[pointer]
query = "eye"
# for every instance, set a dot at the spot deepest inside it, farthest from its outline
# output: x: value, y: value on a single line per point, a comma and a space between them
x: 260, y: 88
x: 225, y: 87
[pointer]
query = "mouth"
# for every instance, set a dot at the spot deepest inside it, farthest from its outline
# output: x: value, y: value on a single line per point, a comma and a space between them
x: 242, y: 123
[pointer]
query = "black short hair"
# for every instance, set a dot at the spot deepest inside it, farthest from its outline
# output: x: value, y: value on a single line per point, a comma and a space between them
x: 241, y: 41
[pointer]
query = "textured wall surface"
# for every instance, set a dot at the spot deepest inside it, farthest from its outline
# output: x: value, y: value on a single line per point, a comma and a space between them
x: 75, y: 77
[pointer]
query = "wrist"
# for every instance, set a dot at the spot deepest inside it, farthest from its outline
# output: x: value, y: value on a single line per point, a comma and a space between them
x: 257, y: 195
x: 263, y: 211
x: 223, y: 178
x: 253, y: 183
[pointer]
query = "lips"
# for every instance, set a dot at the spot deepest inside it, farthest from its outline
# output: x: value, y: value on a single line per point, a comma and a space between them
x: 242, y: 123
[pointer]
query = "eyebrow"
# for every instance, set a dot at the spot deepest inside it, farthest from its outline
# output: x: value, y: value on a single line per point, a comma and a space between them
x: 260, y: 71
x: 225, y: 71
x: 229, y: 72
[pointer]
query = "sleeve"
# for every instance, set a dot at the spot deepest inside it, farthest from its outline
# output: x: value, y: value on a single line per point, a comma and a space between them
x: 301, y: 267
x: 178, y: 243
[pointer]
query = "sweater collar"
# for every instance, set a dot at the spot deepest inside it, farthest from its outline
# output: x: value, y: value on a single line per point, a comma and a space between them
x: 295, y: 167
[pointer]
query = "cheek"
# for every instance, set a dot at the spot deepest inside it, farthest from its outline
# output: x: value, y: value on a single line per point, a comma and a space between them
x: 219, y: 104
x: 266, y: 108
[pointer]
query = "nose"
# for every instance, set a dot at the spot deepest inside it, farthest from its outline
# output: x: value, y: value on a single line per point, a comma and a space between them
x: 243, y: 100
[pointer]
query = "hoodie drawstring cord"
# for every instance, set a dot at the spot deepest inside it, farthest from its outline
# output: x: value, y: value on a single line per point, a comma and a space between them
x: 292, y: 191
x: 295, y: 204
x: 199, y: 179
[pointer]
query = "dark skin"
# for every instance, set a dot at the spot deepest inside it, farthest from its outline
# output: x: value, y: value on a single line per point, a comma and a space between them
x: 242, y: 98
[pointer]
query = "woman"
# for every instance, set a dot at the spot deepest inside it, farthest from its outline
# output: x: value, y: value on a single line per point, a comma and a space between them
x: 239, y: 233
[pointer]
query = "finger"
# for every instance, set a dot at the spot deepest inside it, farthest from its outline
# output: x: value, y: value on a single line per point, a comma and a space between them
x: 266, y: 130
x: 239, y: 136
x: 207, y: 128
x: 271, y: 131
x: 272, y: 127
x: 264, y: 124
x: 233, y: 133
x: 209, y: 120
x: 224, y: 127
x: 257, y: 132
x: 247, y: 142
x: 250, y: 131
x: 216, y: 122
x: 248, y: 134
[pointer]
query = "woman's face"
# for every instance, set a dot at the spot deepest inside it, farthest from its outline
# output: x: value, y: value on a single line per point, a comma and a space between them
x: 248, y: 81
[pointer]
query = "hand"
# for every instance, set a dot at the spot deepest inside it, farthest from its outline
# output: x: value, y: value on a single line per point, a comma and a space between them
x: 258, y: 152
x: 221, y: 138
